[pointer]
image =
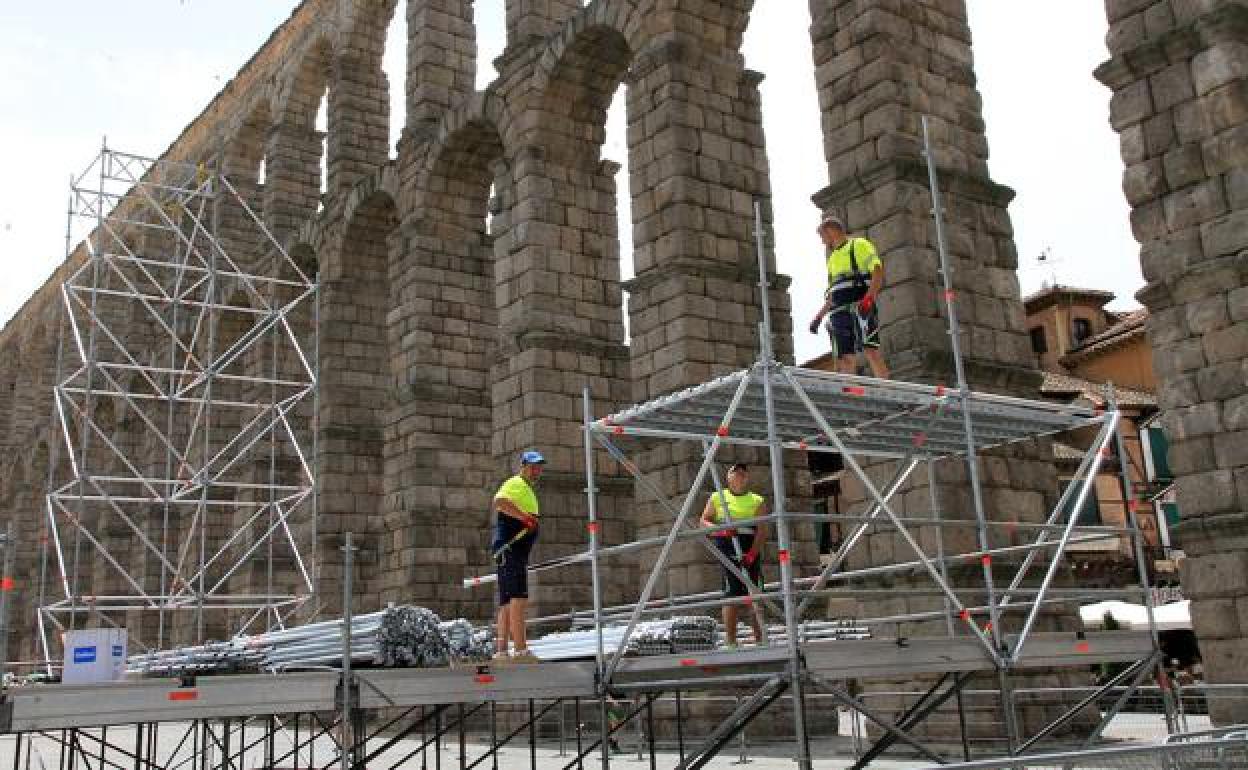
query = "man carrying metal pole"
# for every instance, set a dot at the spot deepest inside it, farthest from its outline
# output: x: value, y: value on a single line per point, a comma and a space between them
x: 855, y: 277
x: 515, y: 532
x: 738, y: 504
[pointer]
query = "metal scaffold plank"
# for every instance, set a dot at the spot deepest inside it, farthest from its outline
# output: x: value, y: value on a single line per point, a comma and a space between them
x: 380, y: 688
x: 165, y: 700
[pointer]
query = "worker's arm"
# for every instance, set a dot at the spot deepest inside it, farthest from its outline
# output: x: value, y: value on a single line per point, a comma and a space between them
x: 708, y: 513
x: 824, y: 309
x: 508, y: 508
x: 877, y: 281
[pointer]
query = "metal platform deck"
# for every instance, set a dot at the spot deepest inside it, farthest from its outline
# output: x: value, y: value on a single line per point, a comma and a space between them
x: 873, y: 417
x: 50, y: 707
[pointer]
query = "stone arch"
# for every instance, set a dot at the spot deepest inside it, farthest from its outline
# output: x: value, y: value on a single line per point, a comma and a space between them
x: 355, y: 376
x: 306, y: 78
x: 463, y: 165
x: 384, y: 181
x: 578, y: 75
x: 8, y: 386
x: 296, y: 149
x: 245, y: 147
x: 359, y: 97
x: 624, y: 17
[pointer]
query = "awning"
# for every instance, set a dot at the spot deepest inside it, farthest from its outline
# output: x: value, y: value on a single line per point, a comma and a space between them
x: 1134, y: 617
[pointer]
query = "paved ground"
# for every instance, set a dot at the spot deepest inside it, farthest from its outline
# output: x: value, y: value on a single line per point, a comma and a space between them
x: 830, y: 754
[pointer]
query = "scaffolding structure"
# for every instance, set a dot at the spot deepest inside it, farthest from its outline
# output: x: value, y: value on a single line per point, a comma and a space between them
x: 184, y: 490
x: 366, y: 714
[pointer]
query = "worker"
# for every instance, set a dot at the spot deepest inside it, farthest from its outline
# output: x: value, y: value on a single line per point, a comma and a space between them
x: 515, y: 532
x: 742, y: 505
x: 855, y: 277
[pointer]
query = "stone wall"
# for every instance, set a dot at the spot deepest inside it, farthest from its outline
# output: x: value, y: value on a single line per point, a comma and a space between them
x: 1179, y: 75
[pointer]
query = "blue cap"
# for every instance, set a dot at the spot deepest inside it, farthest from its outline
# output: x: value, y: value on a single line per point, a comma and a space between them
x: 532, y: 457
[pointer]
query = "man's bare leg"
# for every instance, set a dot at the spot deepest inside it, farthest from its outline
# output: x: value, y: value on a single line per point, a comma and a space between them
x: 757, y: 626
x: 502, y: 632
x: 518, y: 607
x: 730, y: 625
x: 876, y: 360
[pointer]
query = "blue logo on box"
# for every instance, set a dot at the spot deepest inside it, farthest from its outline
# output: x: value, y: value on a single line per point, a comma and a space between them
x: 84, y: 654
x: 117, y: 652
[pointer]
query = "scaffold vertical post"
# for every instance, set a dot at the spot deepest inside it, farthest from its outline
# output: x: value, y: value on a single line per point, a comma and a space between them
x: 6, y: 588
x: 1141, y: 566
x: 347, y: 759
x: 775, y: 451
x: 972, y: 460
x: 591, y: 499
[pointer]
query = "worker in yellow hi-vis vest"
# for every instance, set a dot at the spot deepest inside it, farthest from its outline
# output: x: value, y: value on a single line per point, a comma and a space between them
x: 515, y: 532
x: 855, y: 277
x: 745, y: 538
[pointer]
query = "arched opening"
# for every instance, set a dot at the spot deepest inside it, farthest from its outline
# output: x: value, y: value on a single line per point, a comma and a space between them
x: 322, y: 130
x: 298, y: 163
x: 245, y: 156
x: 246, y: 168
x: 490, y: 17
x: 394, y: 65
x: 355, y: 383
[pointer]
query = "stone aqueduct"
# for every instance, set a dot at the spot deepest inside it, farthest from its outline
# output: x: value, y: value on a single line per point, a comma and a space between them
x: 471, y: 285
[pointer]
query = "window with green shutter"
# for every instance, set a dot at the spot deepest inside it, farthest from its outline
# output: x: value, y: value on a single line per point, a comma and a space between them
x: 1156, y: 447
x: 1171, y: 511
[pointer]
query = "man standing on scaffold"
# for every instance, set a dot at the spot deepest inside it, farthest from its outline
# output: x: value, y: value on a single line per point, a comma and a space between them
x: 742, y: 545
x: 855, y: 277
x: 515, y: 532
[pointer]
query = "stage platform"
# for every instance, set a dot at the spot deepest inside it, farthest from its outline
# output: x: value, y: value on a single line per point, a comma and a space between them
x: 46, y: 707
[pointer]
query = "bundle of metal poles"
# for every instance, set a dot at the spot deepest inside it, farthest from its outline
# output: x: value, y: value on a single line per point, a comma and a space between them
x: 678, y: 635
x: 396, y: 636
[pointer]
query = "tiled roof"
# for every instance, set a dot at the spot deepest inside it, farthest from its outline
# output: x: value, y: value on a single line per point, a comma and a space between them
x: 1068, y: 388
x: 1129, y: 327
x: 1051, y: 294
x: 1066, y: 452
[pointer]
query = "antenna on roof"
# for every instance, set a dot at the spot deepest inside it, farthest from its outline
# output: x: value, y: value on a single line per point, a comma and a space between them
x: 1046, y: 258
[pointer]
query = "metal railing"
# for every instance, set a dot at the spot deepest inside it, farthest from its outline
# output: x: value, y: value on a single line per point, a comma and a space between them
x: 1205, y: 755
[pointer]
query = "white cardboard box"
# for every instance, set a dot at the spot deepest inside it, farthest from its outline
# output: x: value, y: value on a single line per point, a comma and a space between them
x: 94, y: 655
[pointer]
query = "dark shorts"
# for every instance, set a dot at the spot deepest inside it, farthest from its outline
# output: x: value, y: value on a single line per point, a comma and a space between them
x: 852, y: 332
x: 513, y: 563
x: 733, y: 586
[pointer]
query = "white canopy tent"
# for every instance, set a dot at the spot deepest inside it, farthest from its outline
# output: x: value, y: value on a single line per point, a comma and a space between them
x: 1134, y: 617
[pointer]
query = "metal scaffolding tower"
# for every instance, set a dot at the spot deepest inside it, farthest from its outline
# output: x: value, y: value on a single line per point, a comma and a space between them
x: 182, y: 501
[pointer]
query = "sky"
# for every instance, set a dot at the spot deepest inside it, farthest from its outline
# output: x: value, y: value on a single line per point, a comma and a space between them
x: 137, y: 71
